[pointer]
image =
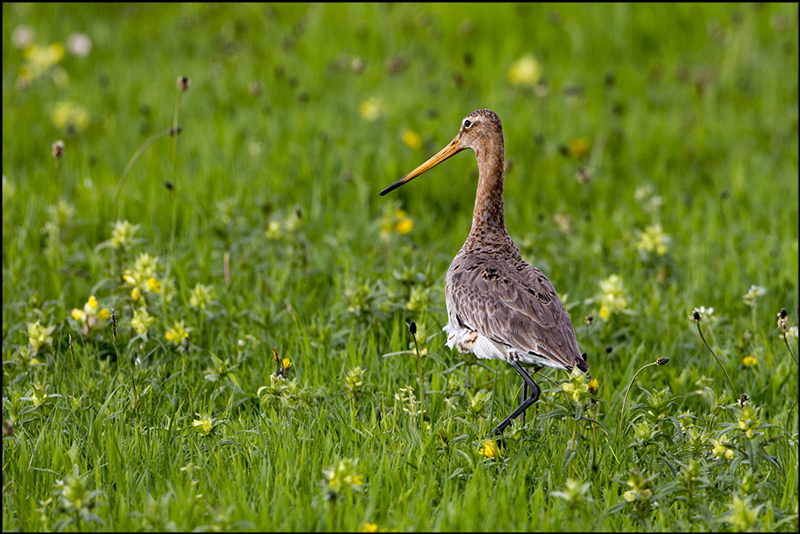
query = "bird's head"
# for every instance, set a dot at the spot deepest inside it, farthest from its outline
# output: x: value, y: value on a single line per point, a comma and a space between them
x: 480, y: 130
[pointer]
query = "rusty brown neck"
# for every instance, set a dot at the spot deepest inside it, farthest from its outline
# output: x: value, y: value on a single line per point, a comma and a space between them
x: 488, y: 219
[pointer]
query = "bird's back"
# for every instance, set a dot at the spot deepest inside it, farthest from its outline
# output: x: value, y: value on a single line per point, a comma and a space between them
x: 499, y: 306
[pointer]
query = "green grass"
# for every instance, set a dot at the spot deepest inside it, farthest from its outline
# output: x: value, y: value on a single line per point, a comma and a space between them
x: 688, y: 119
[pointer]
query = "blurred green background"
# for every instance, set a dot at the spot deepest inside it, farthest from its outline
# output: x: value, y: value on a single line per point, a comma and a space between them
x: 698, y: 100
x: 657, y: 143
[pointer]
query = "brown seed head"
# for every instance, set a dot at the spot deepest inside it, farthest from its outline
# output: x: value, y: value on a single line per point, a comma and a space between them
x: 743, y: 398
x: 662, y: 361
x: 783, y: 319
x: 183, y: 83
x: 254, y: 88
x: 58, y: 149
x: 114, y: 325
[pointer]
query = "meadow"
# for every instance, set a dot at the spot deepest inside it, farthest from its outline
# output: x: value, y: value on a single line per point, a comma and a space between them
x: 208, y: 309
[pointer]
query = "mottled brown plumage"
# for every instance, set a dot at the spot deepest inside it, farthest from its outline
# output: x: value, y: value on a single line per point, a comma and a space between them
x: 498, y: 305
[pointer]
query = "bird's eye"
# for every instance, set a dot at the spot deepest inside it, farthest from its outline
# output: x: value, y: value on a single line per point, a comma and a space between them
x: 467, y: 123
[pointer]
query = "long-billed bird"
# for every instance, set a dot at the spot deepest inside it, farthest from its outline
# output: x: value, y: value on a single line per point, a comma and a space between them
x: 498, y: 305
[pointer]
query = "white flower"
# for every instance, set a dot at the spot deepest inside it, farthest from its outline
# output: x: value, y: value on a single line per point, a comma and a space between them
x: 22, y: 37
x: 791, y: 333
x: 79, y: 44
x: 754, y: 292
x: 707, y: 314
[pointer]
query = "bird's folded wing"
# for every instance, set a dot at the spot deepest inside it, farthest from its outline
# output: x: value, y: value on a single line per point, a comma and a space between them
x: 519, y: 309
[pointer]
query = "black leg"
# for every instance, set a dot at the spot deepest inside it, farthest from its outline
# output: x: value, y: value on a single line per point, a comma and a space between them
x: 525, y: 376
x: 522, y: 407
x: 526, y: 403
x: 525, y: 391
x: 524, y: 396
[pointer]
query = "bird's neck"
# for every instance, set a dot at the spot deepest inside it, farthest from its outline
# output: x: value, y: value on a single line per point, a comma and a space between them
x: 488, y: 218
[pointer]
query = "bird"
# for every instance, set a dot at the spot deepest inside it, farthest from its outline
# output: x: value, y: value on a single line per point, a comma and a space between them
x: 498, y: 305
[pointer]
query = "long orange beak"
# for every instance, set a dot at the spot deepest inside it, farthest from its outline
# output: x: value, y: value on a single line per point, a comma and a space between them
x: 453, y: 148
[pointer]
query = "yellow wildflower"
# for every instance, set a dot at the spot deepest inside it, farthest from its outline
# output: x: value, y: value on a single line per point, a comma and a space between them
x: 578, y: 148
x: 743, y: 514
x: 68, y: 115
x: 750, y: 361
x: 574, y: 390
x: 141, y: 321
x: 563, y: 222
x: 343, y: 475
x: 153, y: 285
x: 653, y: 241
x: 613, y: 298
x: 525, y: 71
x: 722, y: 449
x: 143, y: 276
x: 748, y: 421
x: 399, y: 222
x: 293, y: 221
x: 489, y: 449
x: 145, y: 265
x: 577, y: 385
x: 39, y: 59
x: 286, y: 363
x: 177, y: 333
x: 91, y: 316
x: 404, y: 223
x: 39, y: 335
x: 122, y: 235
x: 412, y: 139
x: 639, y: 489
x: 201, y: 296
x: 274, y: 230
x: 371, y: 109
x: 593, y: 386
x: 45, y: 56
x: 354, y: 381
x: 204, y: 425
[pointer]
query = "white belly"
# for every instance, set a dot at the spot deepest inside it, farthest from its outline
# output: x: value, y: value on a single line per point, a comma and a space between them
x: 473, y: 342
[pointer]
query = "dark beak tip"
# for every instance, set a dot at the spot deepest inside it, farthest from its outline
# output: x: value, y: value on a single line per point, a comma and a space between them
x: 390, y: 188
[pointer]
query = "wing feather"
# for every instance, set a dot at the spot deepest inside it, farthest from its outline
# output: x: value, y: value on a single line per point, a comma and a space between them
x: 514, y: 304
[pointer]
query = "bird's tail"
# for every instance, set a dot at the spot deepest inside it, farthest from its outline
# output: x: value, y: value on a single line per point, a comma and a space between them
x: 583, y: 366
